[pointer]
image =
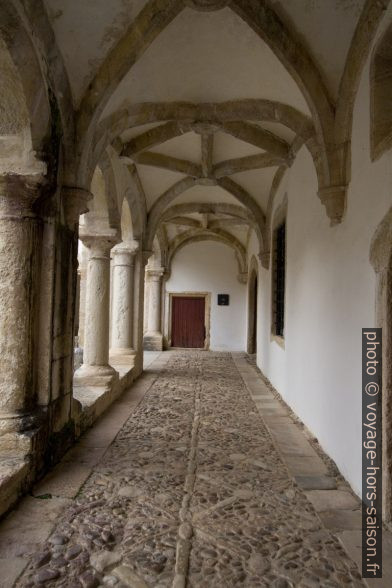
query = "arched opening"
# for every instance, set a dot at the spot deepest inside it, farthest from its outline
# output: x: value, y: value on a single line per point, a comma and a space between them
x: 205, y: 297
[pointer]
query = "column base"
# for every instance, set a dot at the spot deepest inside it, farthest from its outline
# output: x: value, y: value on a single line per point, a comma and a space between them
x: 95, y: 375
x: 118, y: 352
x: 153, y: 342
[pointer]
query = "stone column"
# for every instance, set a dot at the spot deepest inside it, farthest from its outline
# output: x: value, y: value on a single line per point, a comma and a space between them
x: 19, y: 248
x: 153, y: 337
x: 123, y: 286
x: 96, y: 370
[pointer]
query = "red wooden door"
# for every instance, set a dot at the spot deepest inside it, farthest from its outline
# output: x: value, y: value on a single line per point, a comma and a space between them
x: 188, y: 321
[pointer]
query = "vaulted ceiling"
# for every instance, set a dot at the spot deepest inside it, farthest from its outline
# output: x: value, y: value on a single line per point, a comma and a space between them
x: 209, y: 102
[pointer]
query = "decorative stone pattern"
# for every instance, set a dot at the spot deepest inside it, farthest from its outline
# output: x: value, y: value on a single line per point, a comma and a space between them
x: 192, y: 493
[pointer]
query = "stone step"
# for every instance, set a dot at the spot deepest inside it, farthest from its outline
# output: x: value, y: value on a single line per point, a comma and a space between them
x: 13, y: 477
x: 316, y: 482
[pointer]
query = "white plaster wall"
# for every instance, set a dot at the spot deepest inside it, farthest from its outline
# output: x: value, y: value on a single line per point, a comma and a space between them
x: 211, y: 267
x: 330, y: 296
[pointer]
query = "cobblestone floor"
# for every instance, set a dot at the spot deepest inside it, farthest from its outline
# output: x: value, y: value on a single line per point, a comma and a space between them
x: 192, y: 493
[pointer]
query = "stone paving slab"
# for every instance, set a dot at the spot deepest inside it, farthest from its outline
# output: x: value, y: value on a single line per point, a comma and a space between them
x: 316, y: 482
x: 191, y: 492
x: 29, y: 525
x: 303, y: 465
x: 332, y: 499
x: 11, y: 568
x: 339, y: 519
x: 291, y: 439
x: 13, y: 473
x: 64, y: 480
x: 352, y: 542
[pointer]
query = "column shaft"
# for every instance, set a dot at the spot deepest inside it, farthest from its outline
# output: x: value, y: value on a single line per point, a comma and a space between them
x: 154, y: 304
x: 96, y: 334
x: 123, y: 285
x: 19, y: 243
x: 96, y: 348
x: 153, y: 339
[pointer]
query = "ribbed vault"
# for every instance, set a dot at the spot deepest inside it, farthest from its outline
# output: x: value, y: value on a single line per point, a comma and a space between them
x: 143, y: 90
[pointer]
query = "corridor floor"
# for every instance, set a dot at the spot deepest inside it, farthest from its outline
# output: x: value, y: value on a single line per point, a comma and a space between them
x: 192, y: 492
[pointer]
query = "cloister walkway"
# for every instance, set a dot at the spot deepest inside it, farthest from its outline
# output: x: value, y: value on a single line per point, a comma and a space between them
x: 198, y: 476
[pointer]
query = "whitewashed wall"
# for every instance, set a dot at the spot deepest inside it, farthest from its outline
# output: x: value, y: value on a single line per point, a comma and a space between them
x: 330, y: 296
x: 209, y: 266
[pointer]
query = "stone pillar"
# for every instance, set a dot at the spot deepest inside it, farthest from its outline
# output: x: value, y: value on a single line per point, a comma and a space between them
x: 19, y: 247
x: 96, y: 370
x: 153, y: 338
x: 123, y: 286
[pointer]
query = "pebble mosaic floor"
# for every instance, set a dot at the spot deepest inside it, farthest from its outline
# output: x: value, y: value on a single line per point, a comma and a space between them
x: 192, y: 493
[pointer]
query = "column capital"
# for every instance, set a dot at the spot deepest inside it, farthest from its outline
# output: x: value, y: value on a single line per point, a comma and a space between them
x: 334, y: 200
x: 74, y: 201
x: 18, y: 194
x: 242, y: 277
x: 146, y: 254
x: 98, y: 243
x: 154, y: 274
x: 264, y: 257
x: 130, y: 247
x: 124, y: 253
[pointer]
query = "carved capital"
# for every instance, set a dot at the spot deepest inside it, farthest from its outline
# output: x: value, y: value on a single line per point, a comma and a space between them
x: 18, y: 194
x: 74, y: 201
x: 99, y: 244
x: 242, y: 277
x: 334, y: 200
x: 146, y: 254
x: 166, y: 275
x: 264, y: 257
x: 154, y: 274
x: 124, y: 253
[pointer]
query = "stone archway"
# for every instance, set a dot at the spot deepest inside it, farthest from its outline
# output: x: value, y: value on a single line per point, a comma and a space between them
x: 381, y: 260
x: 253, y: 285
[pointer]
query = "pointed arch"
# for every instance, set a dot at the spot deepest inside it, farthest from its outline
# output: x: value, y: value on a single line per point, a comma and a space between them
x: 263, y: 20
x: 185, y: 184
x: 196, y: 235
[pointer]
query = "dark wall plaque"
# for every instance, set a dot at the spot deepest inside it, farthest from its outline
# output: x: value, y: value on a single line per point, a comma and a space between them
x: 223, y: 299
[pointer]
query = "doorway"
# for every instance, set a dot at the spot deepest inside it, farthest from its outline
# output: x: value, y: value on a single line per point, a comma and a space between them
x: 188, y: 329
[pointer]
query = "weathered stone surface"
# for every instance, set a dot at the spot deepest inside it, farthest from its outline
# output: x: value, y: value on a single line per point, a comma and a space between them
x: 192, y: 492
x: 316, y: 482
x: 104, y: 559
x: 340, y: 519
x: 332, y: 499
x: 46, y: 575
x: 11, y: 568
x: 129, y: 578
